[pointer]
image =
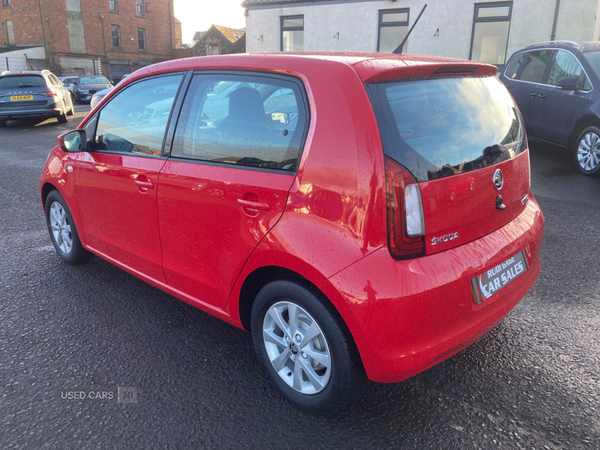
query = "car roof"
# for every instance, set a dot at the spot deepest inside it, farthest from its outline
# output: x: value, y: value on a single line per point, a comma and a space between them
x: 370, y: 66
x: 25, y: 72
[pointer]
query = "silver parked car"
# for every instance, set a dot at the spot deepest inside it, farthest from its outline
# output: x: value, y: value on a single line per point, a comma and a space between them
x: 27, y: 94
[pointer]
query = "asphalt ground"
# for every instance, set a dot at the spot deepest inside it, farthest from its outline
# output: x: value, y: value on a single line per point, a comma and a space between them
x: 533, y: 382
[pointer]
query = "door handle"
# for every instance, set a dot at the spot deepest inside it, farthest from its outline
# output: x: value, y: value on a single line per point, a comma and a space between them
x: 541, y: 95
x: 144, y: 184
x: 533, y: 94
x: 256, y: 206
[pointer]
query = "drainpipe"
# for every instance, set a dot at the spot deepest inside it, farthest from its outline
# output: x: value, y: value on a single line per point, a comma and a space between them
x: 553, y: 36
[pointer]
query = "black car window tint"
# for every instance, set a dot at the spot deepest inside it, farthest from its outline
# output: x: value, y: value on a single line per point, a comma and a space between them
x: 22, y: 81
x: 513, y: 68
x: 242, y: 120
x: 534, y: 67
x: 134, y: 121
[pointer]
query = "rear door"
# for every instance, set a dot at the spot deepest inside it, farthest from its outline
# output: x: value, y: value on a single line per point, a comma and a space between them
x: 116, y: 182
x: 556, y: 111
x: 459, y: 137
x: 227, y: 180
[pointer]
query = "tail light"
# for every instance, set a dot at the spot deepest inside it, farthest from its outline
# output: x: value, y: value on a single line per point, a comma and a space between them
x: 49, y: 94
x: 405, y: 220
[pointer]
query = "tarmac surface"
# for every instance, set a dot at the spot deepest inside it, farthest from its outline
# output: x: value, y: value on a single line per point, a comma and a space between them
x: 533, y: 382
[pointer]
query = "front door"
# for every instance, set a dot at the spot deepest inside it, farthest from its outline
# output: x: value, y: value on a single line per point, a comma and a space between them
x: 116, y: 182
x: 226, y: 183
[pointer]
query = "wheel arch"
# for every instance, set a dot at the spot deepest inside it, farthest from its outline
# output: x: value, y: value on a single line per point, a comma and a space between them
x: 582, y: 124
x: 45, y: 191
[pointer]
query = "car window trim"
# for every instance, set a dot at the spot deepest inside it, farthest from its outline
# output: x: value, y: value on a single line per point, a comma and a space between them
x: 177, y: 95
x: 169, y: 137
x: 547, y: 70
x: 256, y: 73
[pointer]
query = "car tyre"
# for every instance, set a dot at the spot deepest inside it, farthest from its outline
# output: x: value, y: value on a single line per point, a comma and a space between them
x: 3, y: 123
x: 305, y: 348
x: 62, y: 230
x: 587, y: 151
x: 63, y: 118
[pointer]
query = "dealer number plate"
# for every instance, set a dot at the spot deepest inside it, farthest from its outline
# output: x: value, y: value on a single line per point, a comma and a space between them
x: 494, y: 279
x: 15, y: 98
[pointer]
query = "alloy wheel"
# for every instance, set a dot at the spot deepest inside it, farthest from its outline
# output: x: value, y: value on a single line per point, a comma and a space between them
x: 588, y: 151
x: 61, y: 229
x: 297, y: 348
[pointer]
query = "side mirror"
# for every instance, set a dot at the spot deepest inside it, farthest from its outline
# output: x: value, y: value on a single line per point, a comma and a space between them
x: 73, y: 141
x: 567, y: 84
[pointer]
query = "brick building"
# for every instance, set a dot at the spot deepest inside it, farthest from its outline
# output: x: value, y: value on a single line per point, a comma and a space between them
x: 112, y: 37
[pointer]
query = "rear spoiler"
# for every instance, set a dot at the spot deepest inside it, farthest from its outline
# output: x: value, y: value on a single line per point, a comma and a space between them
x: 413, y: 66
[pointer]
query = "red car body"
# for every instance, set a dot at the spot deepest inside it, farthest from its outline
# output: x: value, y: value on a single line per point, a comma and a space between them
x: 185, y: 228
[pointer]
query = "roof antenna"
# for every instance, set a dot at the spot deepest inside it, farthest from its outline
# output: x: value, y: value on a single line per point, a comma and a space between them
x: 399, y: 48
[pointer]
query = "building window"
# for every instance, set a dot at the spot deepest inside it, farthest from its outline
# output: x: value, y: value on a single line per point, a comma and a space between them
x: 491, y: 24
x: 116, y: 35
x: 10, y: 33
x: 139, y: 7
x: 393, y: 26
x: 142, y: 38
x: 5, y: 2
x: 292, y: 33
x: 113, y: 5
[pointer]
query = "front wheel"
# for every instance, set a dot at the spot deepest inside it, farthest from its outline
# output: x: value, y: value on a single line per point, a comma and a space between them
x: 305, y: 348
x: 62, y: 230
x: 587, y: 151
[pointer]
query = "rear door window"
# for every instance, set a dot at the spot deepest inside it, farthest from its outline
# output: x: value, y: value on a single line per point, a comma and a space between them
x: 534, y: 67
x: 245, y: 120
x: 446, y: 126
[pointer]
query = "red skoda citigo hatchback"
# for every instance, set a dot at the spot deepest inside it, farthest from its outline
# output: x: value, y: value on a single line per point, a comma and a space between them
x: 359, y: 214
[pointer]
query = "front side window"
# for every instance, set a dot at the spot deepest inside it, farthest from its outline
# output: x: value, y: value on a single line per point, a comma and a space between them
x: 491, y: 25
x: 534, y: 66
x: 142, y: 38
x: 292, y: 33
x: 565, y: 65
x: 242, y: 120
x: 134, y: 121
x: 113, y: 5
x: 139, y: 7
x: 442, y: 127
x: 393, y: 27
x: 115, y: 31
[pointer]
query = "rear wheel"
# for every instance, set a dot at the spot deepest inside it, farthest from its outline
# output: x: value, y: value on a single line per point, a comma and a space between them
x: 305, y: 348
x: 3, y: 123
x: 63, y: 118
x: 62, y: 230
x: 587, y: 151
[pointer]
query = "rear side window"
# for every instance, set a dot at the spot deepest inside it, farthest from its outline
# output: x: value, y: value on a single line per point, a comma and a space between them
x: 22, y: 81
x: 534, y: 67
x: 446, y: 126
x: 244, y: 120
x: 513, y: 68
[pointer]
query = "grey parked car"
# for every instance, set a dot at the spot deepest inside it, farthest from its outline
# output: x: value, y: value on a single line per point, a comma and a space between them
x: 557, y: 87
x: 85, y: 87
x: 33, y: 94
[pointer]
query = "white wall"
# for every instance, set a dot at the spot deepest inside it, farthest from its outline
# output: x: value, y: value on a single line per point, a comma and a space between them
x: 16, y: 58
x: 357, y: 23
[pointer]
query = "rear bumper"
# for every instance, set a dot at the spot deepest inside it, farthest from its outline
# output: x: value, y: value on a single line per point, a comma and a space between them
x: 407, y: 316
x: 24, y: 114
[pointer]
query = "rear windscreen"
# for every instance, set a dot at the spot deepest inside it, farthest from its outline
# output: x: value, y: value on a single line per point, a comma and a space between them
x: 22, y: 81
x: 446, y: 126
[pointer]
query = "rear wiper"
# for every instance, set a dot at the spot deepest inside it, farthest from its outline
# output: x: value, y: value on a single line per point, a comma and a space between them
x: 27, y: 85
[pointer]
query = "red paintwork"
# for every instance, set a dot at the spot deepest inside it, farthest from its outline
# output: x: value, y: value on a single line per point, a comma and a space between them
x: 327, y: 223
x: 466, y: 203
